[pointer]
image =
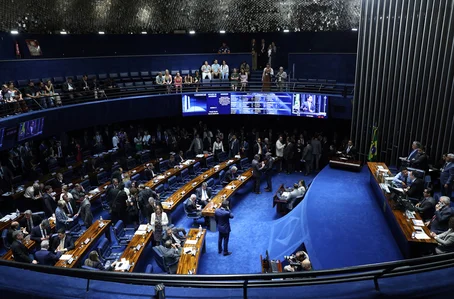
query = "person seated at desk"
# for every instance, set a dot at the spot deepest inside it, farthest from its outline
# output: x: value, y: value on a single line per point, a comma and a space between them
x: 421, y: 161
x: 93, y: 261
x: 149, y: 172
x: 171, y: 163
x: 230, y: 175
x: 59, y: 181
x: 41, y: 232
x: 173, y: 235
x: 61, y: 219
x: 46, y: 257
x: 298, y: 262
x: 445, y: 240
x: 426, y: 207
x: 191, y: 206
x: 204, y: 194
x: 416, y: 185
x: 20, y: 252
x: 29, y: 221
x: 171, y: 255
x: 292, y: 194
x: 180, y: 157
x: 15, y: 226
x: 401, y: 179
x: 33, y: 192
x: 443, y: 212
x: 350, y: 150
x: 63, y: 243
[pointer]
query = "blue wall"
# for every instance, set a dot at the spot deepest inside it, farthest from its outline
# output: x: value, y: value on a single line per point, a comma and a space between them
x: 44, y: 68
x: 332, y: 66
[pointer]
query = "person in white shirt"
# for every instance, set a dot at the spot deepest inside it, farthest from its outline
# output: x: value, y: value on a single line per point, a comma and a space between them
x: 224, y: 71
x: 115, y: 140
x: 218, y: 147
x: 206, y: 71
x: 146, y: 138
x: 280, y: 152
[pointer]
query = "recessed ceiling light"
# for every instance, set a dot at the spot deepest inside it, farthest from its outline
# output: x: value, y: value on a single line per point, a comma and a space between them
x: 63, y: 32
x: 354, y: 29
x: 101, y: 32
x: 222, y: 31
x: 191, y: 32
x: 144, y: 32
x: 14, y: 32
x: 286, y: 30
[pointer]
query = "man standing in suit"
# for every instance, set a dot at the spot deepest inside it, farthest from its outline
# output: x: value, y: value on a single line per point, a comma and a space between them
x: 46, y: 257
x: 85, y: 212
x: 49, y: 201
x: 20, y: 251
x: 416, y: 186
x: 307, y: 158
x: 230, y: 174
x: 350, y: 150
x: 289, y: 152
x: 117, y: 174
x: 197, y: 144
x: 258, y: 148
x: 63, y: 243
x: 257, y: 168
x: 421, y: 161
x: 443, y: 212
x: 222, y: 217
x: 204, y: 194
x: 426, y: 207
x: 447, y: 176
x: 269, y: 160
x: 30, y: 221
x: 234, y: 147
x: 6, y: 179
x: 316, y: 151
x: 41, y: 232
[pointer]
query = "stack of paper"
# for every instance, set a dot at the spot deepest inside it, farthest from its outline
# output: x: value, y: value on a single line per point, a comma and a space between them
x: 65, y: 257
x: 190, y: 242
x: 418, y: 222
x: 94, y: 191
x: 123, y: 265
x: 140, y: 232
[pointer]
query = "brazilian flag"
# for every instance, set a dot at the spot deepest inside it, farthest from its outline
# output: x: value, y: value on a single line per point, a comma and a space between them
x: 373, y: 145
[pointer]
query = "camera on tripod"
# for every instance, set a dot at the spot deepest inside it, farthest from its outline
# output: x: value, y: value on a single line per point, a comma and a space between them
x: 292, y: 260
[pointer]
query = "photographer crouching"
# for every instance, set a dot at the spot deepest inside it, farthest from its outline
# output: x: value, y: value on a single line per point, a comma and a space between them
x: 298, y: 262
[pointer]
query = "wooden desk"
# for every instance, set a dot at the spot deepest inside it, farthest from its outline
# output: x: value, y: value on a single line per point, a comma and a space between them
x: 94, y: 232
x: 224, y: 194
x: 401, y: 227
x: 162, y: 178
x: 188, y: 261
x: 267, y: 267
x: 344, y: 163
x: 181, y: 194
x: 131, y: 254
x: 7, y: 224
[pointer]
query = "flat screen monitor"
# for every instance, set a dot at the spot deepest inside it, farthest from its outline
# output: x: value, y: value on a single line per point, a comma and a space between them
x: 2, y: 132
x: 310, y: 105
x: 30, y: 128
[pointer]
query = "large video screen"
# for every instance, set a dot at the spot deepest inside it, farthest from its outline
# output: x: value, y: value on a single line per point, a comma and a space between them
x: 2, y: 132
x: 289, y: 104
x: 30, y: 128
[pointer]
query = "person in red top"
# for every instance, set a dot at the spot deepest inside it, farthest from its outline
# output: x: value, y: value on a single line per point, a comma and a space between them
x: 178, y: 80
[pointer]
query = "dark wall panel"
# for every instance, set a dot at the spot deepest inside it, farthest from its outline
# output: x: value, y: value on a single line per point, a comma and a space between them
x: 405, y: 77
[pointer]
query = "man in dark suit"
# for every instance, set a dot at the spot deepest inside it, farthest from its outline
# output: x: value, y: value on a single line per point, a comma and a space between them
x: 234, y: 147
x: 173, y: 234
x: 6, y: 179
x: 119, y: 204
x: 117, y: 174
x: 421, y: 161
x: 46, y: 257
x: 426, y: 207
x: 257, y: 168
x: 190, y: 206
x: 149, y: 172
x: 269, y: 160
x: 20, y: 251
x: 41, y: 232
x: 63, y: 243
x: 180, y: 157
x: 289, y: 152
x: 204, y: 194
x: 443, y: 212
x: 258, y: 148
x: 350, y: 150
x: 230, y: 174
x: 308, y: 106
x: 417, y: 185
x: 222, y: 217
x: 447, y: 176
x: 171, y: 163
x: 30, y: 221
x: 49, y: 201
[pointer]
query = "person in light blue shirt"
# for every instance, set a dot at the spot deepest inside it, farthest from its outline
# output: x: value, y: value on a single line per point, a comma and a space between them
x: 216, y: 70
x: 401, y: 180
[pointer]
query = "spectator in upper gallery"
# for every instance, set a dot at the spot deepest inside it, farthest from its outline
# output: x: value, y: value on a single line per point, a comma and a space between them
x: 138, y: 141
x: 46, y: 257
x: 206, y: 71
x: 234, y: 78
x: 16, y: 96
x: 93, y: 261
x: 69, y: 88
x: 53, y: 95
x: 178, y: 80
x: 426, y: 207
x: 196, y: 80
x: 46, y: 97
x: 115, y: 140
x: 254, y: 54
x: 445, y: 240
x: 224, y: 71
x: 215, y: 70
x: 146, y: 139
x: 243, y: 80
x: 244, y: 66
x: 267, y: 74
x: 416, y: 186
x: 443, y: 211
x: 421, y: 161
x: 159, y: 79
x: 20, y: 252
x: 84, y: 85
x: 168, y: 81
x: 262, y: 55
x: 224, y: 49
x: 270, y: 54
x: 401, y: 179
x: 188, y: 81
x: 281, y: 78
x: 447, y: 176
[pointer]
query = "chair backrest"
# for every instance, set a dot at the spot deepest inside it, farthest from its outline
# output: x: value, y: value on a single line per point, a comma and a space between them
x: 131, y: 163
x: 172, y: 181
x: 103, y: 248
x: 86, y: 185
x: 68, y: 174
x: 119, y: 229
x: 210, y: 182
x: 40, y: 214
x: 102, y: 177
x: 163, y: 166
x: 209, y: 161
x: 145, y: 157
x: 159, y: 258
x: 196, y: 167
x: 184, y: 173
x: 89, y: 268
x: 159, y: 189
x: 244, y: 163
x: 221, y: 175
x: 222, y: 156
x: 5, y: 238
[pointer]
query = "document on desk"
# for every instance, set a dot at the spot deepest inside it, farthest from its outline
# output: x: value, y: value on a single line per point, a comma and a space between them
x: 422, y: 236
x: 140, y: 232
x: 142, y: 227
x: 418, y: 222
x: 66, y: 257
x: 190, y: 242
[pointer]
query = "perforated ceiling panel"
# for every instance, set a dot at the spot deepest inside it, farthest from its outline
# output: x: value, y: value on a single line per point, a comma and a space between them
x: 166, y: 16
